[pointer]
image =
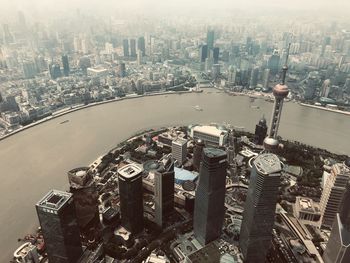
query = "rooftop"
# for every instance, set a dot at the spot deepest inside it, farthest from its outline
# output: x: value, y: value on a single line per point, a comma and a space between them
x: 55, y: 199
x: 267, y: 163
x: 129, y: 171
x: 211, y: 130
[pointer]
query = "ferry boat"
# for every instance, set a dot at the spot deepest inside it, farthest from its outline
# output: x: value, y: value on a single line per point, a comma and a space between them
x: 197, y: 108
x: 64, y: 121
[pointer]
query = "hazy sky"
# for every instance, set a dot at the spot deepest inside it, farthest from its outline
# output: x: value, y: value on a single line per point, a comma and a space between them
x: 195, y: 6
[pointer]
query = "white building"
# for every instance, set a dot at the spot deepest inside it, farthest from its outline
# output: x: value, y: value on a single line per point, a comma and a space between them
x: 210, y: 135
x: 179, y: 150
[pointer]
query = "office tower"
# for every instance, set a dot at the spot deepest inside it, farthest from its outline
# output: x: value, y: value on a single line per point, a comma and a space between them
x: 260, y: 131
x: 55, y: 70
x: 29, y: 69
x: 164, y: 193
x: 259, y: 208
x: 266, y: 78
x: 326, y: 88
x: 338, y: 246
x: 139, y: 57
x: 133, y: 48
x: 209, y: 64
x: 7, y: 36
x: 65, y: 64
x: 332, y: 193
x: 122, y: 70
x: 280, y: 91
x: 209, y: 208
x: 254, y: 78
x: 56, y: 213
x: 216, y: 52
x: 210, y: 39
x: 131, y: 201
x: 141, y: 45
x: 126, y: 47
x: 203, y: 53
x: 85, y: 195
x: 273, y: 63
x: 232, y: 75
x: 197, y: 154
x: 215, y: 71
x: 179, y: 150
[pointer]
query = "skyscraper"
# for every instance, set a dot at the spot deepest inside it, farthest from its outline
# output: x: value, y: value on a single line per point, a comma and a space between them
x: 338, y: 246
x: 254, y: 78
x: 65, y: 64
x: 131, y: 198
x: 260, y: 131
x: 7, y: 36
x: 333, y: 193
x: 280, y: 91
x: 126, y: 47
x: 58, y: 222
x: 209, y: 208
x: 203, y: 53
x: 164, y: 193
x: 197, y: 154
x: 179, y: 150
x: 210, y: 39
x: 216, y: 52
x: 274, y: 62
x: 259, y: 208
x: 141, y: 45
x: 133, y: 47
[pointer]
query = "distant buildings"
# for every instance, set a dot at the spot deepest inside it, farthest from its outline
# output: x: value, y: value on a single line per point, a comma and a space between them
x: 126, y: 47
x: 56, y: 213
x: 131, y: 198
x: 197, y: 154
x: 209, y: 208
x: 141, y: 45
x: 333, y: 193
x: 259, y: 208
x: 65, y: 64
x: 210, y: 39
x: 164, y: 193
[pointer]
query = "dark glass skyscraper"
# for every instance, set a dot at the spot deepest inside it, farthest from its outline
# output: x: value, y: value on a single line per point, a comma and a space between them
x: 260, y: 131
x: 210, y: 39
x: 65, y: 64
x: 131, y: 201
x: 203, y: 52
x: 164, y: 193
x: 133, y: 47
x: 216, y: 52
x: 126, y: 47
x: 209, y: 208
x: 141, y: 45
x: 58, y: 222
x: 259, y: 208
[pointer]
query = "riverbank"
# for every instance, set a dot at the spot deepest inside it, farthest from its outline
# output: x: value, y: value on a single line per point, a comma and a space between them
x: 66, y: 111
x: 325, y: 109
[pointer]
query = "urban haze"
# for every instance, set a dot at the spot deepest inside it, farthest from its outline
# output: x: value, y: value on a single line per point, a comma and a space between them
x: 174, y: 131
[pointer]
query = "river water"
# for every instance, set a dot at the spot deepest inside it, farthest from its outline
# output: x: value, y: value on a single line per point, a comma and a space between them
x: 36, y: 160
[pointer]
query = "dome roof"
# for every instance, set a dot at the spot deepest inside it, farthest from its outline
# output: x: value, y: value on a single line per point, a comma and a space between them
x: 280, y: 90
x: 262, y: 121
x: 347, y: 162
x: 270, y: 143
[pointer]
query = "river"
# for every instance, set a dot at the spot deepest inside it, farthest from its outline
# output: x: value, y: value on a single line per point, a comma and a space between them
x: 36, y: 160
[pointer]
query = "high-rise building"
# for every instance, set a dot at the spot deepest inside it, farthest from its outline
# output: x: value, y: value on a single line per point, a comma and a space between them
x: 7, y: 35
x: 260, y: 131
x: 126, y: 47
x: 280, y: 92
x: 273, y: 63
x: 131, y: 198
x: 210, y: 39
x: 259, y: 208
x: 141, y: 45
x: 209, y: 208
x: 55, y: 70
x: 338, y: 246
x: 333, y: 193
x: 56, y: 213
x: 133, y: 48
x: 139, y: 57
x: 203, y: 52
x: 85, y: 195
x: 29, y: 69
x: 216, y: 52
x: 197, y: 154
x: 65, y: 64
x: 164, y: 193
x: 254, y: 78
x: 266, y: 78
x: 122, y: 70
x: 179, y: 150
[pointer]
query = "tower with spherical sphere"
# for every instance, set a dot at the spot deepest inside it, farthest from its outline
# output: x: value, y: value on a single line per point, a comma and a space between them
x: 280, y: 92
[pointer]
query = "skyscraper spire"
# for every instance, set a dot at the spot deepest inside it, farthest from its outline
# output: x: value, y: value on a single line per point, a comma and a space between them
x: 280, y: 91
